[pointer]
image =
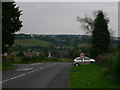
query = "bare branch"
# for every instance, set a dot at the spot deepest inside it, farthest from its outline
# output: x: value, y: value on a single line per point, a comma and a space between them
x: 86, y: 23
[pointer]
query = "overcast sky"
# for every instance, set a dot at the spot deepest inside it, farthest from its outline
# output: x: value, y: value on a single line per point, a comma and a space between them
x: 60, y: 17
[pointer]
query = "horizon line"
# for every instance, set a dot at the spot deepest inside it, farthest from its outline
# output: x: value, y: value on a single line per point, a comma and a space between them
x: 53, y: 33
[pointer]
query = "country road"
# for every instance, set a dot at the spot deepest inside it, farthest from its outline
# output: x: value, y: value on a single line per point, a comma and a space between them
x: 38, y: 75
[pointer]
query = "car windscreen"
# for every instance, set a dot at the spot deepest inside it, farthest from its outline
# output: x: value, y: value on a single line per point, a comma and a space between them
x: 86, y: 58
x: 79, y: 58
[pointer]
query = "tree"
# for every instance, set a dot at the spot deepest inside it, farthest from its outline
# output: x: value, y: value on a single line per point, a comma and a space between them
x: 10, y: 24
x: 20, y: 54
x: 98, y: 28
x: 87, y: 23
x: 100, y: 35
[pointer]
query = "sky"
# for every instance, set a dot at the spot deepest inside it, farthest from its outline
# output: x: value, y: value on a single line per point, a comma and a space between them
x: 60, y: 17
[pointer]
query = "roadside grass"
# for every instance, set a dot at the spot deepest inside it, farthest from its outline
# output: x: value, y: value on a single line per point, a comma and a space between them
x: 17, y: 60
x: 90, y: 76
x: 0, y: 67
x: 61, y: 61
x: 6, y: 66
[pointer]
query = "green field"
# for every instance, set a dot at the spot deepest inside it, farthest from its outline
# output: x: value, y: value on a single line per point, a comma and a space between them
x: 90, y: 76
x: 32, y: 43
x: 84, y: 45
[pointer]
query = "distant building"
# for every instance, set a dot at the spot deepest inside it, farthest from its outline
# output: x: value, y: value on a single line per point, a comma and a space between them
x: 13, y: 53
x: 5, y: 54
x: 49, y: 55
x: 33, y: 53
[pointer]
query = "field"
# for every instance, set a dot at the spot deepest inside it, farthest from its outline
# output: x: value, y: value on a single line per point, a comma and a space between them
x: 42, y: 43
x: 90, y: 76
x: 32, y: 43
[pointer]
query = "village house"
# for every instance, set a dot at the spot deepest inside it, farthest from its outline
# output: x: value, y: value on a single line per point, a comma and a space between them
x: 33, y: 53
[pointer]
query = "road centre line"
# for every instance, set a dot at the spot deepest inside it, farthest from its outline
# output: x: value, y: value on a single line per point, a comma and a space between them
x: 51, y: 78
x: 41, y: 67
x: 18, y: 76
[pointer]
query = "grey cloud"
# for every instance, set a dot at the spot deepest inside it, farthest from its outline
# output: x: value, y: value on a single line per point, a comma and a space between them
x: 60, y: 17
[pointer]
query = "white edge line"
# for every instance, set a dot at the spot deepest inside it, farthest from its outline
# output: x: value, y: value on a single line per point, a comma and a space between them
x: 5, y: 80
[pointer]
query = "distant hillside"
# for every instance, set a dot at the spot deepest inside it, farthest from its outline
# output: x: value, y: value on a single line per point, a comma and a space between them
x: 69, y: 41
x: 32, y: 43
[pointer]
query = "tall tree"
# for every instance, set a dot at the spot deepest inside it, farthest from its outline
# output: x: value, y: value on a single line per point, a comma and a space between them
x: 11, y: 23
x: 87, y: 23
x: 100, y: 35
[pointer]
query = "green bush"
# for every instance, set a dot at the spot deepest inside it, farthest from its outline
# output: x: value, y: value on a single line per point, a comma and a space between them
x: 102, y: 59
x: 54, y: 59
x: 111, y: 65
x: 4, y: 59
x: 33, y: 58
x: 26, y: 59
x: 20, y: 54
x: 114, y: 67
x: 8, y: 58
x: 42, y: 58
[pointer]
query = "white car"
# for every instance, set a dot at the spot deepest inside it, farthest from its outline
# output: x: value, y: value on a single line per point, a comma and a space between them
x: 79, y: 61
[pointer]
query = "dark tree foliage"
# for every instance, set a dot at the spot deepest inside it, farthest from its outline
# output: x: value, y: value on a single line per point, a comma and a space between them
x: 100, y: 35
x: 10, y: 24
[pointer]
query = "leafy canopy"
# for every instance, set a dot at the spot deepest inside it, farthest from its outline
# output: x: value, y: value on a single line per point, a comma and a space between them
x: 10, y: 24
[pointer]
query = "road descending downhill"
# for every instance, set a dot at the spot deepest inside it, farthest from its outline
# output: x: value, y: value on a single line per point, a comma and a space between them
x: 38, y: 75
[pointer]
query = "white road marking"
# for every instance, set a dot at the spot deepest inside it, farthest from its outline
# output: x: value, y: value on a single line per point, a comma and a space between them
x: 18, y: 76
x: 24, y: 69
x: 5, y: 81
x: 32, y: 71
x: 41, y: 67
x: 26, y: 74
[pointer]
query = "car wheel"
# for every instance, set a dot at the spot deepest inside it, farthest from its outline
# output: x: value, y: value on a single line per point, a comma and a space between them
x: 92, y: 62
x: 76, y: 64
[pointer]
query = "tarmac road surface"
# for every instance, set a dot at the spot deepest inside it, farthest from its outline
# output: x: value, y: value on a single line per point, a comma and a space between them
x: 38, y: 75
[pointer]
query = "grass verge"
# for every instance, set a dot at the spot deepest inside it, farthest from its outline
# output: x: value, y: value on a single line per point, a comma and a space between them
x: 90, y: 76
x: 6, y: 66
